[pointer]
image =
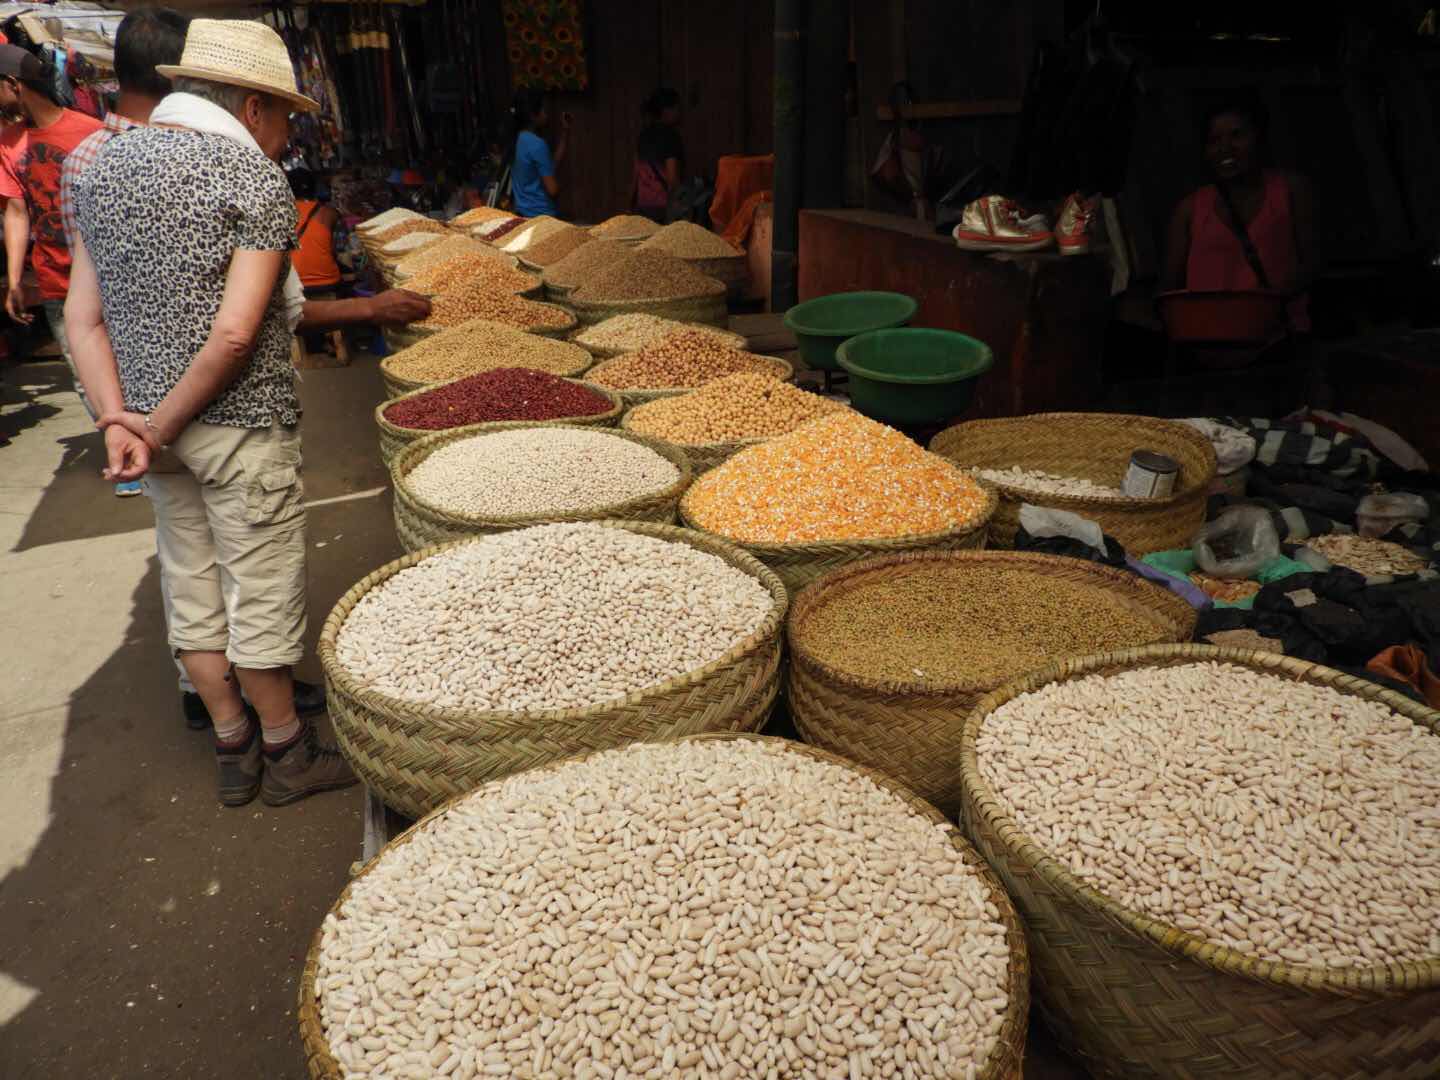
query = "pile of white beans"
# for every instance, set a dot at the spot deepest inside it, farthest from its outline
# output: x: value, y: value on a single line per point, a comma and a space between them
x: 1045, y: 483
x: 538, y: 471
x: 551, y: 617
x: 713, y: 909
x: 1285, y: 820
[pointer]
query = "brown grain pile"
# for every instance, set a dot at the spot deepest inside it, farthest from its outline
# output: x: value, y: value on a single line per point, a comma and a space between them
x: 478, y: 216
x: 481, y: 301
x: 627, y: 226
x: 685, y: 359
x: 527, y: 235
x: 557, y: 245
x: 686, y: 240
x: 405, y: 228
x: 649, y: 275
x: 443, y: 251
x: 584, y: 262
x: 471, y: 271
x: 483, y: 345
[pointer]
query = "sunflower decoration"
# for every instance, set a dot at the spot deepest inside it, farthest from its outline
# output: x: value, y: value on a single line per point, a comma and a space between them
x: 545, y: 40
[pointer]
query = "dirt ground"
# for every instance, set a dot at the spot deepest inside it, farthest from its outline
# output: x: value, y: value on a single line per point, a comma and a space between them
x: 144, y: 930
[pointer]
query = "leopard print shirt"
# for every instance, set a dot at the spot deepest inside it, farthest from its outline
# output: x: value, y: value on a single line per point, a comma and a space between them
x: 161, y: 212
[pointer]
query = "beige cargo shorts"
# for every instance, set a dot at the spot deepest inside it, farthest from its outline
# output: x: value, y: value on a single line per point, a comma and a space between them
x: 230, y: 533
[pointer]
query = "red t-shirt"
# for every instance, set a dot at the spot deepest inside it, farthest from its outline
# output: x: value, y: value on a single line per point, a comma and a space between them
x: 30, y: 164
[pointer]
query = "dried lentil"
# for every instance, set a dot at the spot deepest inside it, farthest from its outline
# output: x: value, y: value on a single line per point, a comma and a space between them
x: 648, y: 275
x: 633, y: 332
x: 744, y: 406
x: 1364, y: 555
x: 966, y: 625
x: 482, y: 345
x: 538, y: 471
x: 500, y: 394
x: 471, y: 272
x: 479, y: 300
x: 394, y: 232
x: 721, y: 909
x: 1285, y: 820
x: 586, y: 260
x: 628, y: 226
x: 1048, y: 483
x: 686, y: 240
x: 535, y: 230
x: 552, y: 617
x: 686, y: 358
x: 554, y: 247
x: 843, y: 477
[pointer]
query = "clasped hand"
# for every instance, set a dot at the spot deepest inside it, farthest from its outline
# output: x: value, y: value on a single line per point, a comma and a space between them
x: 129, y: 445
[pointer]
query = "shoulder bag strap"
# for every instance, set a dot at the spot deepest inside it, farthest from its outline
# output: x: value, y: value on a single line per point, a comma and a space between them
x: 308, y: 218
x: 1243, y: 235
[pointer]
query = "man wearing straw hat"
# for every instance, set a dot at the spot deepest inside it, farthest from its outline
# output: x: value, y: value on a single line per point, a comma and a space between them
x: 177, y: 312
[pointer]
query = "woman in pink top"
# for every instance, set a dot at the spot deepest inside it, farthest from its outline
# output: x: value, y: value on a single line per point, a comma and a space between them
x: 1205, y: 252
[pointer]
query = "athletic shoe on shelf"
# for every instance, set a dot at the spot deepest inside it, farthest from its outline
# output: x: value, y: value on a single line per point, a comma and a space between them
x: 1035, y: 223
x: 127, y: 489
x: 993, y: 223
x: 1072, y: 230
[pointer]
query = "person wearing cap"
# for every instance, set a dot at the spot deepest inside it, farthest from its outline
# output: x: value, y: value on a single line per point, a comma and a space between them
x: 32, y: 154
x: 178, y: 316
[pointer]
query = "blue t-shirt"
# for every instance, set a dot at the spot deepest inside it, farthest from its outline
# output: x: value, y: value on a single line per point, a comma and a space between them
x: 532, y: 161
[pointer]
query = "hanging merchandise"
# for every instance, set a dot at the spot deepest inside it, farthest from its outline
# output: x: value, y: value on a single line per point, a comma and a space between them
x: 316, y: 137
x: 546, y: 44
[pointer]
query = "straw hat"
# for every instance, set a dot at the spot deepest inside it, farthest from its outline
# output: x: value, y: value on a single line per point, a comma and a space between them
x: 239, y: 52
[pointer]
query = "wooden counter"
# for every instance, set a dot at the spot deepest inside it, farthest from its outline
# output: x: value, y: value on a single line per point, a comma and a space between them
x: 1044, y: 315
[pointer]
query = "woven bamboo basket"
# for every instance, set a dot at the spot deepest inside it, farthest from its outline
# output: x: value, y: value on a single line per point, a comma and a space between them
x: 911, y: 730
x: 398, y: 385
x: 394, y: 438
x: 710, y: 310
x: 1095, y: 446
x: 703, y: 456
x: 732, y: 270
x: 800, y: 564
x: 557, y: 294
x: 601, y: 352
x: 782, y: 369
x: 415, y: 756
x: 1133, y: 996
x: 419, y: 524
x: 1005, y: 1060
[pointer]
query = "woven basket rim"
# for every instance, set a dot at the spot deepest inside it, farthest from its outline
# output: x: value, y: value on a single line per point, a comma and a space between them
x: 1083, y: 502
x: 779, y: 363
x: 1156, y: 600
x: 617, y: 406
x: 605, y: 352
x: 527, y: 291
x: 1387, y: 980
x: 388, y: 371
x: 541, y: 331
x: 880, y: 545
x: 421, y: 448
x: 469, y: 719
x: 651, y: 301
x: 1009, y: 1043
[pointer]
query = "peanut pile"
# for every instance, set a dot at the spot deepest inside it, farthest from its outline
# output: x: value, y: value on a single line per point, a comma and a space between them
x: 471, y: 272
x: 713, y: 910
x: 538, y: 471
x: 633, y: 332
x: 479, y: 299
x: 843, y: 477
x: 482, y: 345
x: 647, y: 275
x: 687, y: 358
x: 686, y: 240
x: 627, y: 226
x: 745, y: 406
x: 960, y: 623
x: 551, y: 617
x: 1284, y: 820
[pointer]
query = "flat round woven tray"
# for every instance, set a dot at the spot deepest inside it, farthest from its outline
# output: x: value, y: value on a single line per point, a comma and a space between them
x: 601, y: 352
x: 1133, y: 996
x: 800, y: 564
x: 1095, y: 446
x: 398, y: 385
x: 394, y: 438
x: 1005, y: 1060
x: 418, y: 524
x: 710, y: 310
x: 911, y: 730
x: 780, y: 367
x: 415, y: 756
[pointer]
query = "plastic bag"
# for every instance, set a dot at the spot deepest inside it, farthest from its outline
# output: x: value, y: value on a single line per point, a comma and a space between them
x: 1378, y: 514
x: 1234, y: 449
x: 1237, y: 544
x: 1041, y: 521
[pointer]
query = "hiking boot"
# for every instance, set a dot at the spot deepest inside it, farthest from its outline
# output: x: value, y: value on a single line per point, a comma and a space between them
x: 1072, y: 229
x: 306, y: 767
x: 993, y: 223
x: 239, y: 769
x: 309, y: 701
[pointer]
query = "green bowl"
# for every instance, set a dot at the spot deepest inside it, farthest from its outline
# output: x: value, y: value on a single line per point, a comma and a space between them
x: 913, y: 376
x: 821, y: 325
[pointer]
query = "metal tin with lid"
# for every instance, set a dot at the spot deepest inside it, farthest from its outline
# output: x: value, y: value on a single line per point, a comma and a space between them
x: 1150, y: 475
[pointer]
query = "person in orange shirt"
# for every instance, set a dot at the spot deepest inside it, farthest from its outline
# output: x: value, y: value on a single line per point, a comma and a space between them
x: 314, y: 261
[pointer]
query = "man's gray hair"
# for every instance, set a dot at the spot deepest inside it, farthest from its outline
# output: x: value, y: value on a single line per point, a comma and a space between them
x: 229, y: 97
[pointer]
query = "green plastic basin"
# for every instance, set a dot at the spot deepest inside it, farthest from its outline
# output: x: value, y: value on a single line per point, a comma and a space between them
x: 821, y: 325
x: 913, y: 376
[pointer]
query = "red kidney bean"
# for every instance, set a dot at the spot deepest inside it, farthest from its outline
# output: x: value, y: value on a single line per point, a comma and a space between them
x: 499, y: 394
